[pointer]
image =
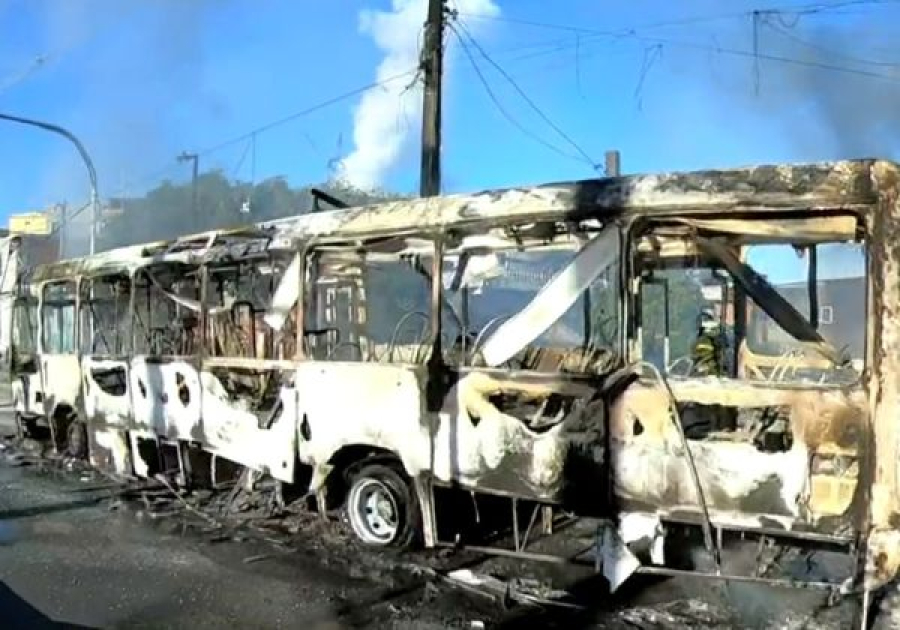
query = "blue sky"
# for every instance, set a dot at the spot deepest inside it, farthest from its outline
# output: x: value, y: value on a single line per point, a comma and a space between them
x: 140, y: 81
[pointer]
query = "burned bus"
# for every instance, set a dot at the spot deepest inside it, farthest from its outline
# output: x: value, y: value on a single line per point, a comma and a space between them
x: 533, y: 344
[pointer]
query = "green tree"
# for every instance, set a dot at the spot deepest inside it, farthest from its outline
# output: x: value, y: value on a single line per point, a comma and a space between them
x: 165, y: 211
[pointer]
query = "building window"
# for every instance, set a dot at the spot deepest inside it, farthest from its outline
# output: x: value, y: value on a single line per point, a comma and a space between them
x: 826, y: 315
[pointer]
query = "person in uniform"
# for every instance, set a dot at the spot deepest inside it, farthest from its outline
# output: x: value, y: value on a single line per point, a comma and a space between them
x: 707, y: 350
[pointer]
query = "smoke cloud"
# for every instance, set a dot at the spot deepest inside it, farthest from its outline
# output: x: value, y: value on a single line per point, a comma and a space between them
x: 827, y: 113
x: 387, y: 115
x: 138, y: 64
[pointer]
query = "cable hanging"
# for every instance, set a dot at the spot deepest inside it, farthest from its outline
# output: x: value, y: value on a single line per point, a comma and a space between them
x: 584, y: 156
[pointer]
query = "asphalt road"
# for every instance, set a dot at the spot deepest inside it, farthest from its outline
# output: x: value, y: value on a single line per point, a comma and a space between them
x: 67, y: 560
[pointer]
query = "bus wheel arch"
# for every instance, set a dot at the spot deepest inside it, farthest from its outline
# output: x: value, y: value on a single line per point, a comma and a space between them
x: 377, y: 496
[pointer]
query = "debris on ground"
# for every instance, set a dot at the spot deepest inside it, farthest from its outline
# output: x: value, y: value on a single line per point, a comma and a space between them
x: 523, y: 591
x: 280, y: 528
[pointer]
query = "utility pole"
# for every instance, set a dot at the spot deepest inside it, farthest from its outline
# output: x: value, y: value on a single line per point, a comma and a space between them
x: 62, y: 210
x: 613, y: 164
x: 193, y: 157
x: 432, y: 68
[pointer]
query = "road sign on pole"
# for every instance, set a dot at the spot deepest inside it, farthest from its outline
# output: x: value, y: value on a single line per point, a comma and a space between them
x: 38, y: 223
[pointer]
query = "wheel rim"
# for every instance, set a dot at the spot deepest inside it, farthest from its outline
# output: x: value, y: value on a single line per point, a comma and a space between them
x: 374, y: 514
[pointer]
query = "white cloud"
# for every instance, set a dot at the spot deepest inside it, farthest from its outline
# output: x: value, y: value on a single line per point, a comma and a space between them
x: 386, y: 116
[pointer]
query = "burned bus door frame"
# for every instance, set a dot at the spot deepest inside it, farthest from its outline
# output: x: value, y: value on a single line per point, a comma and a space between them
x: 108, y: 404
x: 25, y: 374
x: 165, y: 392
x: 264, y: 440
x: 473, y: 384
x: 59, y: 362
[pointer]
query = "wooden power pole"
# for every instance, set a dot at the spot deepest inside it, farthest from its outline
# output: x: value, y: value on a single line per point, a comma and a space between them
x: 432, y: 67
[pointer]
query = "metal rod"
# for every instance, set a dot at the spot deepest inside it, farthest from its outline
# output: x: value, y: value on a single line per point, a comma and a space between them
x: 692, y: 467
x: 653, y: 570
x: 525, y: 555
x: 531, y: 522
x: 667, y: 326
x: 515, y: 523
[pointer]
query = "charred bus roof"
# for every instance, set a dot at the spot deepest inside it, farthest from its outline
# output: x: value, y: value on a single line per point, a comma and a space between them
x: 845, y: 185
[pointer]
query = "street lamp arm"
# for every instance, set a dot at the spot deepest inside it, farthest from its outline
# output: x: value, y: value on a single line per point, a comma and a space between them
x: 92, y: 173
x: 86, y: 158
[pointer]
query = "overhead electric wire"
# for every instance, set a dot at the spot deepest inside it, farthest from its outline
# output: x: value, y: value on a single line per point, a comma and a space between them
x: 305, y: 112
x: 785, y: 32
x: 804, y: 9
x: 595, y: 34
x: 633, y: 34
x: 501, y: 108
x: 556, y: 46
x: 286, y: 119
x: 587, y: 158
x: 68, y: 219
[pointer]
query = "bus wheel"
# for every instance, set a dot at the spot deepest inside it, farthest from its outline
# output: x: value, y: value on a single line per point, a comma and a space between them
x: 381, y: 508
x: 76, y: 443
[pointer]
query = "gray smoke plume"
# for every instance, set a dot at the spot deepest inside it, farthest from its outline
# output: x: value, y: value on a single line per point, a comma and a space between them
x: 386, y: 116
x: 832, y: 113
x: 136, y: 62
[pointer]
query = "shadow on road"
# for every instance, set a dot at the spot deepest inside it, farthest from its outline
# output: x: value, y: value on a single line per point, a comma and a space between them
x: 50, y: 508
x: 18, y: 614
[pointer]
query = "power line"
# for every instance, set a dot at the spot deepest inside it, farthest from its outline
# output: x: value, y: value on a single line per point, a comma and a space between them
x: 559, y: 46
x: 805, y: 9
x: 499, y: 105
x: 634, y: 35
x: 304, y: 112
x: 784, y: 31
x: 251, y: 135
x: 68, y: 219
x: 526, y: 98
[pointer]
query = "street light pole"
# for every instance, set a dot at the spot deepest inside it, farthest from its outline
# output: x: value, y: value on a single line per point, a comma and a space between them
x: 86, y: 158
x: 193, y: 157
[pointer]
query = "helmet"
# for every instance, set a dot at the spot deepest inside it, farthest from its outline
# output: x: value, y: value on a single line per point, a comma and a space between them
x: 706, y: 320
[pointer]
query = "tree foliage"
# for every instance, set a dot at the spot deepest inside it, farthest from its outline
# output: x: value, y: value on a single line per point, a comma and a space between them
x: 165, y: 211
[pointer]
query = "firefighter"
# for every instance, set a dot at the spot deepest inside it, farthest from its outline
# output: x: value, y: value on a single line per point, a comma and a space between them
x: 707, y: 350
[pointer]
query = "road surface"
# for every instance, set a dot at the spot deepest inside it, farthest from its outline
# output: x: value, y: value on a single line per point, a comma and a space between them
x: 68, y: 561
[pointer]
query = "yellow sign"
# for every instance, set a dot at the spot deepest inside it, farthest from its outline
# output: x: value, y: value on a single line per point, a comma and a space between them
x: 31, y: 223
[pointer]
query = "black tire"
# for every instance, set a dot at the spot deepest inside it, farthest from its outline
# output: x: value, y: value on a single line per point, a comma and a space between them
x: 383, y: 484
